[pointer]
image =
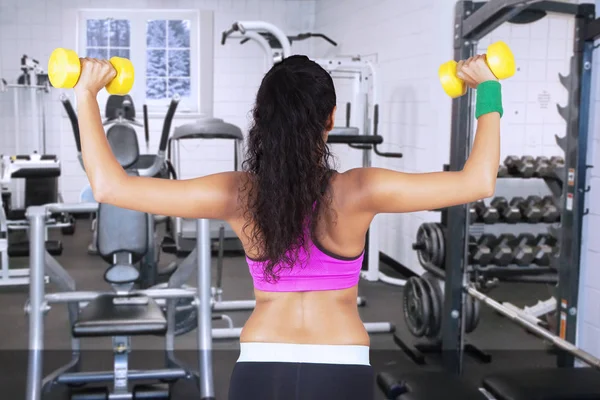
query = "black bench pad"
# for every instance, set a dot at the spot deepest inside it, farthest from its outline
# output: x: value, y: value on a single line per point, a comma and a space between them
x: 101, y: 318
x: 545, y: 384
x: 436, y: 386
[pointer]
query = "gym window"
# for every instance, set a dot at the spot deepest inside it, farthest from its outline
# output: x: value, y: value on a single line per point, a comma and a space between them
x: 164, y: 47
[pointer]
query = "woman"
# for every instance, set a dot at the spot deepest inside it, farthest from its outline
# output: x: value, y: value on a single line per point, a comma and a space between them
x: 302, y: 224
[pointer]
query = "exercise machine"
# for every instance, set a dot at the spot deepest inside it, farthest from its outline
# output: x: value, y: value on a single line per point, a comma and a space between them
x: 183, y: 233
x: 41, y: 175
x: 120, y: 117
x: 123, y: 312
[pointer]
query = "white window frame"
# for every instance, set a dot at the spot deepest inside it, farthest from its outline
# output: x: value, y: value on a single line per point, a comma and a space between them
x: 137, y: 52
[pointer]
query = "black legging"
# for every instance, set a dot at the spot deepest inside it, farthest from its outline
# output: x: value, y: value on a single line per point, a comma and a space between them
x: 295, y: 381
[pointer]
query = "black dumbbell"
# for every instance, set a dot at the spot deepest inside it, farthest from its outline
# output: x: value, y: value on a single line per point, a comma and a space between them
x: 507, y: 212
x: 473, y: 217
x: 489, y: 215
x: 502, y: 253
x: 557, y: 161
x: 544, y: 248
x: 550, y: 212
x: 527, y: 167
x: 530, y: 210
x: 541, y: 166
x: 511, y: 163
x: 481, y: 253
x: 554, y: 163
x: 523, y: 166
x: 502, y: 171
x: 523, y: 251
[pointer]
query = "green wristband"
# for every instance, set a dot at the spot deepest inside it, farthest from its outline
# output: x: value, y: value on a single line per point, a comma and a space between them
x: 489, y: 98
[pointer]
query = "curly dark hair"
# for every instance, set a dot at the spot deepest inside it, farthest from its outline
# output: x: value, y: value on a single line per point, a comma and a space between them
x: 288, y: 160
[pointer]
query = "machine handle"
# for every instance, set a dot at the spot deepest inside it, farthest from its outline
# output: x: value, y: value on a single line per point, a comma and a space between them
x: 354, y: 139
x: 146, y: 125
x: 73, y: 118
x: 167, y: 124
x: 375, y: 130
x: 348, y: 110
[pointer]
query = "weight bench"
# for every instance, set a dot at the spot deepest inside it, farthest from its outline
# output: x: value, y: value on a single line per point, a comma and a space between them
x: 545, y: 384
x: 427, y: 386
x: 531, y: 384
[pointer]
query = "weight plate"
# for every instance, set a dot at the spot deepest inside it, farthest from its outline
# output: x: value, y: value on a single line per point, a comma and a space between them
x: 468, y: 311
x: 186, y: 316
x: 441, y: 233
x: 435, y: 248
x: 435, y: 320
x: 476, y: 313
x: 416, y: 306
x: 425, y: 245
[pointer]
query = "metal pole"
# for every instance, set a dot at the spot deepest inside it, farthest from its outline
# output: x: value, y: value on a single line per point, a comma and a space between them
x: 574, y: 181
x: 533, y: 328
x: 204, y: 331
x: 452, y: 328
x: 36, y: 217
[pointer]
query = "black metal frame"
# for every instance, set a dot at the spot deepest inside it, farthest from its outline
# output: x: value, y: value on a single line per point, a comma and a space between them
x: 473, y: 20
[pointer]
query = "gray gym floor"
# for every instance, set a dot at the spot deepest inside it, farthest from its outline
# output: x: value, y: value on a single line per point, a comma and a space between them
x: 508, y: 345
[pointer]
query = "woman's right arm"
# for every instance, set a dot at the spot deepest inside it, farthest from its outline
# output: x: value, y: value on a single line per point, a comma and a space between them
x: 386, y: 191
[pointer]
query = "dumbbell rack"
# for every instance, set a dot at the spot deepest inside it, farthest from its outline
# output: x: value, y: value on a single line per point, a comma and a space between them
x: 474, y: 20
x: 517, y: 271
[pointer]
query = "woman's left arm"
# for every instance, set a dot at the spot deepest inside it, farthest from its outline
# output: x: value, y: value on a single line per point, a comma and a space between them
x: 213, y: 196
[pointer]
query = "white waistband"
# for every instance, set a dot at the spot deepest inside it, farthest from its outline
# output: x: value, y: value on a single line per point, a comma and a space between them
x: 304, y: 353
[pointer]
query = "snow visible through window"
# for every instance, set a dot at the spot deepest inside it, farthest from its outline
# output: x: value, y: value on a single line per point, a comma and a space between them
x: 108, y: 38
x: 167, y: 58
x: 168, y: 52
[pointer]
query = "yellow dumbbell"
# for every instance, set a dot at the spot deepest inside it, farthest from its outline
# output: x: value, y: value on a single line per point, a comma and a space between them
x: 64, y: 68
x: 499, y: 58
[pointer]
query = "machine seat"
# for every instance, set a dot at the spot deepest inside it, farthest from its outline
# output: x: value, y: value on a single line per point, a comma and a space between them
x: 144, y: 161
x: 427, y: 385
x: 545, y: 384
x: 118, y: 315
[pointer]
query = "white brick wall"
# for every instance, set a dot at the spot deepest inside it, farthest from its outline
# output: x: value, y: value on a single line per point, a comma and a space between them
x: 34, y: 27
x: 414, y: 114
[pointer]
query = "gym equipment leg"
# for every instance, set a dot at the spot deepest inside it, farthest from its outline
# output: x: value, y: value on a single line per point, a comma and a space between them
x: 207, y: 390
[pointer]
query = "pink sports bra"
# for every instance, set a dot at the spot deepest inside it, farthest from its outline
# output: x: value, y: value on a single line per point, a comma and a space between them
x: 317, y: 269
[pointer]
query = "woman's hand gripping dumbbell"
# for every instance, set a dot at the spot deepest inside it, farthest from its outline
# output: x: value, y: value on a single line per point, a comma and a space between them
x: 66, y: 70
x: 454, y: 75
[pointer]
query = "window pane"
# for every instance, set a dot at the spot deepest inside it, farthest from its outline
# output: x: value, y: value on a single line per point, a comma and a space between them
x: 157, y: 63
x: 97, y: 32
x: 119, y: 53
x: 179, y: 33
x: 156, y: 33
x: 119, y: 33
x: 179, y: 86
x: 97, y: 53
x: 179, y: 63
x: 156, y: 88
